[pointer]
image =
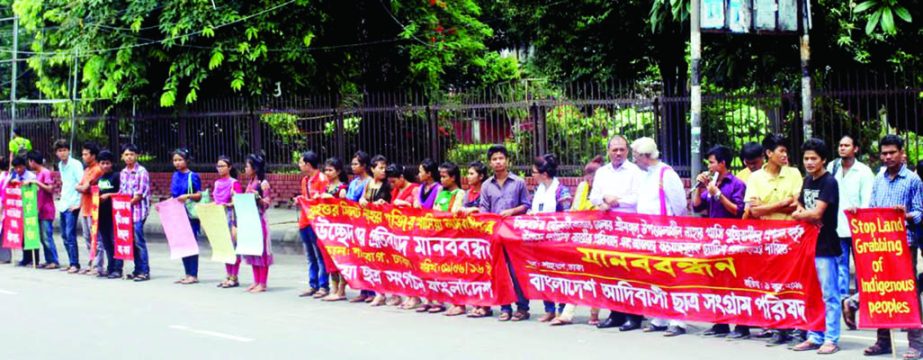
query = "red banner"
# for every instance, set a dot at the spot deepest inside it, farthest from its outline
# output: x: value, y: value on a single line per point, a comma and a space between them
x: 884, y: 273
x: 94, y: 222
x: 123, y: 228
x: 710, y: 270
x: 12, y: 217
x: 412, y: 252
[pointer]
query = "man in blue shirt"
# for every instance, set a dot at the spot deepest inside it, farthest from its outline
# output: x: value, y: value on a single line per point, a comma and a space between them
x: 898, y: 187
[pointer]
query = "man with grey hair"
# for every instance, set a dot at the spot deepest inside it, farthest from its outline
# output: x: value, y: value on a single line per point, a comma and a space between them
x: 661, y: 193
x: 615, y: 188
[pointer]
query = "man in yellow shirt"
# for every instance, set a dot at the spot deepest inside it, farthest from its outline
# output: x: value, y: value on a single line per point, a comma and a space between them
x: 753, y: 158
x: 772, y: 194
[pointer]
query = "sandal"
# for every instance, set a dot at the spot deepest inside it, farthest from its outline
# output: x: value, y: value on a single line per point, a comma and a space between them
x: 558, y: 321
x: 505, y: 316
x: 480, y: 312
x: 912, y: 354
x: 189, y: 281
x: 877, y: 349
x: 49, y: 266
x: 309, y: 292
x: 129, y: 276
x: 394, y: 300
x: 73, y: 270
x: 827, y: 349
x: 520, y: 315
x: 142, y: 277
x: 435, y: 309
x: 333, y: 297
x: 456, y: 311
x: 321, y: 293
x: 423, y: 308
x: 379, y: 300
x: 232, y: 284
x: 358, y: 299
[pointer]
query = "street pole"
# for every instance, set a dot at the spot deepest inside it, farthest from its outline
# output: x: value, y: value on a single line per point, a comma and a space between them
x: 695, y: 97
x: 807, y: 110
x: 14, y: 69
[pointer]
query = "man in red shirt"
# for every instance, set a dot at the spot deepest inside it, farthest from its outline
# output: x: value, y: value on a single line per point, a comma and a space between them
x: 313, y: 185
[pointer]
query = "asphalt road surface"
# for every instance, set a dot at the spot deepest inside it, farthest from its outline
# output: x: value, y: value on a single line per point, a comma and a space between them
x: 48, y: 314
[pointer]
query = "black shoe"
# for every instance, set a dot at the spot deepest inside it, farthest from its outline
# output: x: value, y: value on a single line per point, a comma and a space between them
x: 655, y: 328
x: 717, y: 331
x: 778, y: 338
x: 608, y: 323
x: 630, y: 325
x: 739, y: 335
x: 674, y: 331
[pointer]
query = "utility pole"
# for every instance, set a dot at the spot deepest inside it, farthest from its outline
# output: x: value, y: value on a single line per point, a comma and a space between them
x: 807, y: 109
x: 695, y: 97
x: 15, y: 69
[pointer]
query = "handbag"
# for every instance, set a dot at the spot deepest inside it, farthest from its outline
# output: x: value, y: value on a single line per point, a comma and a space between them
x: 190, y: 204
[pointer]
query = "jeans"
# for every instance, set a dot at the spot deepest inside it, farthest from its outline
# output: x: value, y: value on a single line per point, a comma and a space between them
x: 191, y: 263
x: 47, y: 231
x: 827, y: 274
x: 108, y: 243
x: 86, y: 223
x: 141, y: 264
x: 69, y: 236
x: 550, y: 308
x: 842, y: 267
x: 522, y: 304
x: 317, y: 270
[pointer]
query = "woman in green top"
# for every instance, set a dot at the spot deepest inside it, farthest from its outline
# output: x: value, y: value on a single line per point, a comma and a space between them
x: 452, y: 197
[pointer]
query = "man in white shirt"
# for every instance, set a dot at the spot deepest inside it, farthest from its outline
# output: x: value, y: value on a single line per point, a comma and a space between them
x: 855, y: 181
x: 615, y: 188
x: 661, y: 192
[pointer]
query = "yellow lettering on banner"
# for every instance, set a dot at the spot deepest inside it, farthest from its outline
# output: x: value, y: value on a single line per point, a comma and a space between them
x: 429, y: 222
x: 352, y: 211
x: 373, y: 216
x: 665, y: 266
x: 336, y: 250
x: 325, y: 210
x: 642, y: 262
x: 397, y: 220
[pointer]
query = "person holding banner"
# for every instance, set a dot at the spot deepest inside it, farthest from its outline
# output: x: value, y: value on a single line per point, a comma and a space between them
x: 256, y: 171
x: 336, y: 189
x: 6, y: 256
x: 378, y: 190
x: 360, y: 166
x: 818, y: 205
x: 550, y: 196
x: 44, y: 180
x: 186, y: 185
x: 19, y: 175
x: 855, y: 181
x: 90, y: 176
x: 134, y: 180
x: 719, y: 194
x: 772, y: 194
x: 505, y: 194
x: 582, y: 203
x: 68, y: 206
x: 425, y: 199
x: 615, y: 188
x: 313, y: 185
x: 661, y: 193
x: 402, y: 182
x: 223, y: 192
x: 898, y: 187
x: 477, y: 173
x: 450, y: 199
x: 108, y: 186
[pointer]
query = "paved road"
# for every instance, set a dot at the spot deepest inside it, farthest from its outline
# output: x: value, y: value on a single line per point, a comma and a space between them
x: 51, y: 315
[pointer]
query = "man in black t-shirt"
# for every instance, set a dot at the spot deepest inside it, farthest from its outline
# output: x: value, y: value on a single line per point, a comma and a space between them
x: 108, y: 186
x: 818, y: 205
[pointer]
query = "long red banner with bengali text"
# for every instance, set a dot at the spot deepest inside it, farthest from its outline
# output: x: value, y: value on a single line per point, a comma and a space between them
x: 412, y: 252
x: 757, y: 273
x: 884, y: 273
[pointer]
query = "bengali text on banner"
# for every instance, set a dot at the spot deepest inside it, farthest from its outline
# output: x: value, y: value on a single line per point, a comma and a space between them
x: 412, y: 252
x: 711, y: 270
